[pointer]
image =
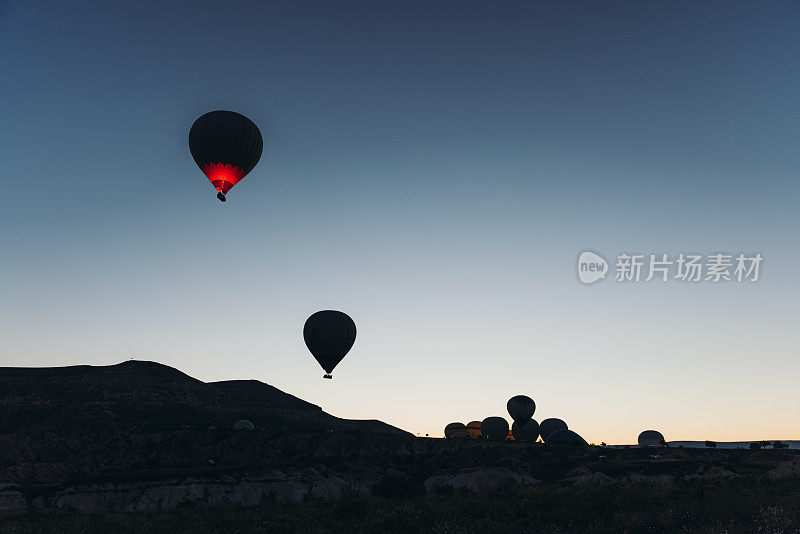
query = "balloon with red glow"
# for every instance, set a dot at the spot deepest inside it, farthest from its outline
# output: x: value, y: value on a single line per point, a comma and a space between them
x: 226, y: 146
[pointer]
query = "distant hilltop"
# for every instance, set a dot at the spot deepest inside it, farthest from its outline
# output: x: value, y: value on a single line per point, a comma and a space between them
x: 149, y: 395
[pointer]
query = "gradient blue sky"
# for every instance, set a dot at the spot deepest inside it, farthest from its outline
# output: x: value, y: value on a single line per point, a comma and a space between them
x: 431, y: 168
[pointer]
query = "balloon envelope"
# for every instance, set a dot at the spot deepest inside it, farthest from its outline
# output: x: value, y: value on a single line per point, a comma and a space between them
x: 566, y: 437
x: 548, y: 426
x: 521, y: 408
x: 455, y: 428
x: 527, y: 431
x: 226, y: 146
x: 651, y: 438
x: 495, y: 428
x: 329, y: 335
x: 474, y: 429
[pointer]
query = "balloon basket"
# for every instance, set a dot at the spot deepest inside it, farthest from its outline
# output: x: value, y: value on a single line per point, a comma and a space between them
x: 327, y: 376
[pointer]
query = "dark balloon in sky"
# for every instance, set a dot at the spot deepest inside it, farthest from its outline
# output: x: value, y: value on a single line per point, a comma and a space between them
x: 521, y: 408
x: 548, y: 426
x: 226, y: 146
x: 329, y: 335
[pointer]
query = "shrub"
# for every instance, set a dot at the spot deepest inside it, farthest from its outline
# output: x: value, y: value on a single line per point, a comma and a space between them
x: 397, y: 487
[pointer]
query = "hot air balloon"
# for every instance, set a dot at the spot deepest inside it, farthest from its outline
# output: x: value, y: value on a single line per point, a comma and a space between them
x: 226, y: 146
x: 329, y: 335
x: 548, y: 426
x: 566, y: 437
x: 454, y: 430
x: 494, y: 428
x: 521, y: 408
x: 651, y: 438
x: 474, y: 429
x: 527, y: 431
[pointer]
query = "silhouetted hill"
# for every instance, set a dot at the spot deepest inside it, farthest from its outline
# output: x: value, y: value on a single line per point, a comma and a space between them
x: 145, y: 436
x: 149, y: 394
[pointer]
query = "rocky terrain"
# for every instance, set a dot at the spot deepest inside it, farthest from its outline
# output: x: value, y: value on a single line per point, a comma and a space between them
x: 142, y: 436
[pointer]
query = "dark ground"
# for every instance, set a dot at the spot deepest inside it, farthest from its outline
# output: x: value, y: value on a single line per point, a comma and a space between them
x: 747, y: 504
x: 141, y: 447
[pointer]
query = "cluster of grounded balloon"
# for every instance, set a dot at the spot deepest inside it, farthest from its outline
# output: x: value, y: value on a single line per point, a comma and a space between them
x: 524, y: 428
x: 521, y: 409
x: 226, y: 146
